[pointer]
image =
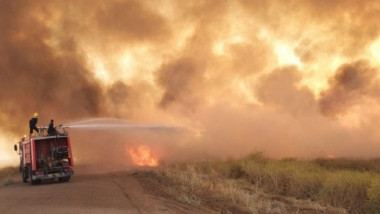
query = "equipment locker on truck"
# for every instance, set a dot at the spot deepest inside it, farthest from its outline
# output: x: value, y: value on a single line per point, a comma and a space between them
x: 45, y: 157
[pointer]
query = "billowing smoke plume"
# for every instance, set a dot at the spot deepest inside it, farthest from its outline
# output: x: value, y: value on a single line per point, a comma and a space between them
x: 180, y: 80
x: 35, y: 76
x: 294, y: 78
x: 349, y: 86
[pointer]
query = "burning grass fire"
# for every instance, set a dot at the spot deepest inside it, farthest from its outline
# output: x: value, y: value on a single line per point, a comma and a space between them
x: 297, y: 78
x: 142, y: 156
x: 217, y: 67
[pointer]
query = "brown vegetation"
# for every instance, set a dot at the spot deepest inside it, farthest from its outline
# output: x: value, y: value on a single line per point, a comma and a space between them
x: 7, y: 175
x: 260, y: 185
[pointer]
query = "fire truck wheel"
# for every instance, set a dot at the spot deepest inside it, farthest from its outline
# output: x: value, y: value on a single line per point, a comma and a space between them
x: 64, y: 179
x: 24, y: 175
x: 30, y: 177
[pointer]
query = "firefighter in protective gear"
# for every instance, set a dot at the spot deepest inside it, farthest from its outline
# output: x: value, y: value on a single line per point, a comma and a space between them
x: 51, y: 129
x: 33, y: 123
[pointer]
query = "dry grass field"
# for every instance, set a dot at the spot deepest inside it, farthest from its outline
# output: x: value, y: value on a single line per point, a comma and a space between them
x: 7, y: 175
x: 256, y: 184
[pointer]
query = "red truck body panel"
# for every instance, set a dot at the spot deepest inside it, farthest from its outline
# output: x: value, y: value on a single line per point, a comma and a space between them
x: 27, y: 155
x: 71, y: 153
x: 33, y: 148
x: 46, y: 157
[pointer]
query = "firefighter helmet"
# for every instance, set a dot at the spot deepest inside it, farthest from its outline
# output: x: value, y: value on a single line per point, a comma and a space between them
x: 36, y: 114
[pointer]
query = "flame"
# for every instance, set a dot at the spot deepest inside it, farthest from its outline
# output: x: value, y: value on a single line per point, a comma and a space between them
x: 142, y: 156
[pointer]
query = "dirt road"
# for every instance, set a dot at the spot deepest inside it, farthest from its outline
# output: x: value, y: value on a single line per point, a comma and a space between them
x: 119, y: 192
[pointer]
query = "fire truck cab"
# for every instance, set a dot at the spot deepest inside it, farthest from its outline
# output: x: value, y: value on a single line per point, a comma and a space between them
x: 45, y: 157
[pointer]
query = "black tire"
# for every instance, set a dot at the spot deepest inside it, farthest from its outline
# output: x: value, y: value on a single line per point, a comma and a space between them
x: 30, y: 177
x: 24, y: 175
x: 64, y: 179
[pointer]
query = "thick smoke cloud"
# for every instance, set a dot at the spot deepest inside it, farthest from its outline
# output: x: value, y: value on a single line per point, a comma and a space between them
x: 350, y: 84
x: 130, y: 21
x: 278, y: 90
x: 294, y: 78
x: 180, y: 78
x: 34, y: 76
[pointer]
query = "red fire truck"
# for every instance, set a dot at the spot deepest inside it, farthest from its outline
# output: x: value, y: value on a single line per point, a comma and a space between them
x: 45, y: 157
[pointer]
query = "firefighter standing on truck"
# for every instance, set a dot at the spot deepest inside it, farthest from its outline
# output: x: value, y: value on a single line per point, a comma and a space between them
x: 51, y: 129
x: 33, y: 123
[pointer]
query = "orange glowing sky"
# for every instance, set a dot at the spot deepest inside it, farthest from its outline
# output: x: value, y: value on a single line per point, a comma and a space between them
x: 295, y: 78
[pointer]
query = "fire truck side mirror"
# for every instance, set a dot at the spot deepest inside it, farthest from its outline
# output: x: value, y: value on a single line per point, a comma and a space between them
x: 15, y: 147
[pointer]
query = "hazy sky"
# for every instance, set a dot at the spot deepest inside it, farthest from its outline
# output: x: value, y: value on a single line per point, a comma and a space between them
x: 290, y: 78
